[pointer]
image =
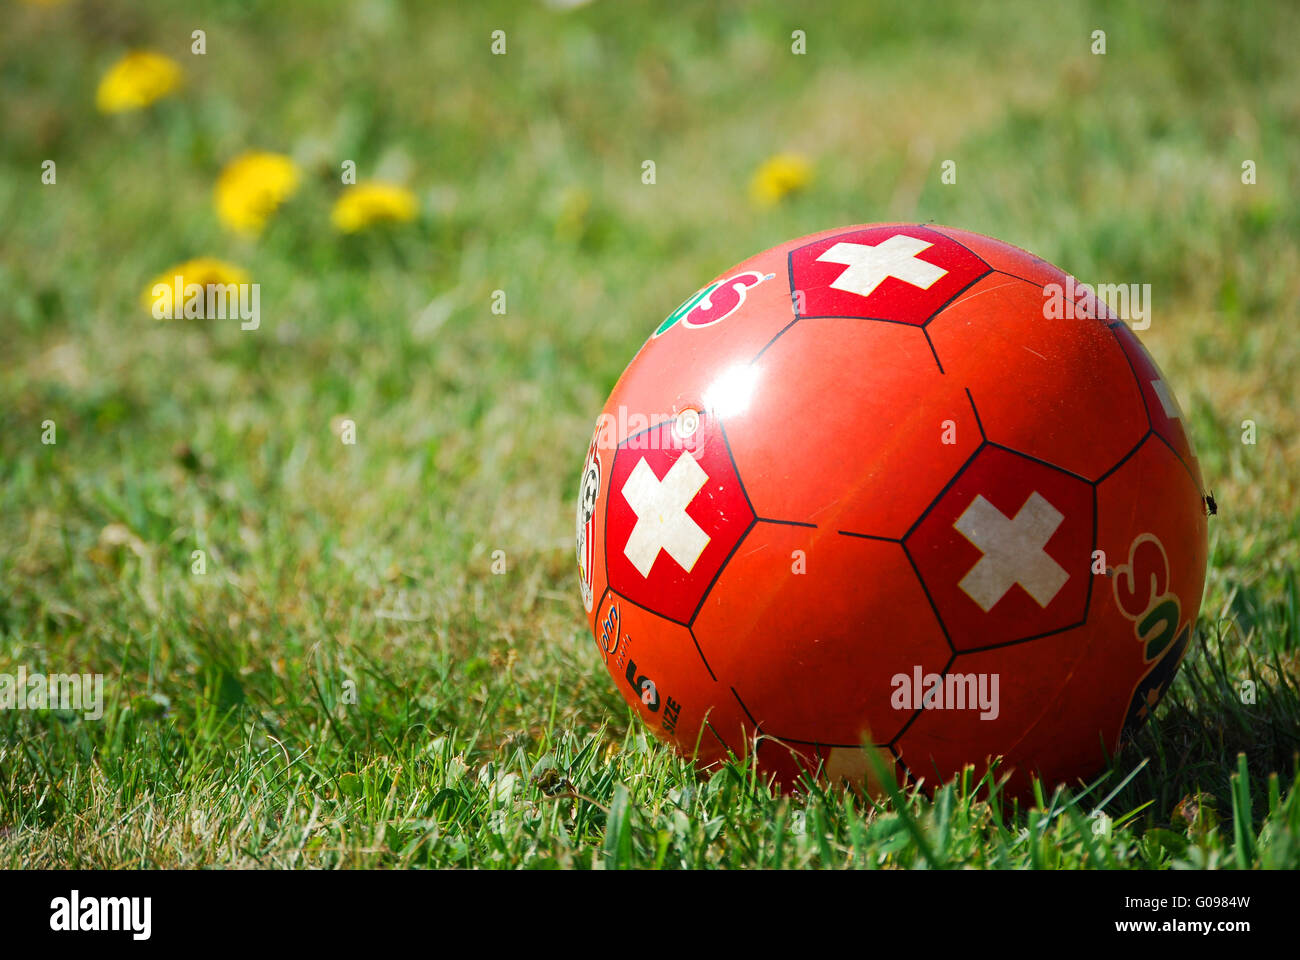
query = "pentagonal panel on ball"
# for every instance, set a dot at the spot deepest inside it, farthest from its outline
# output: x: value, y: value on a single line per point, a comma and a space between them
x: 902, y: 273
x: 1005, y: 552
x: 676, y: 510
x: 1055, y: 387
x: 811, y: 628
x: 1162, y: 406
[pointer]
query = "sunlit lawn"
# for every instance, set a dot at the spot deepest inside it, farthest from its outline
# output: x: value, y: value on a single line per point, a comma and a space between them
x: 349, y: 683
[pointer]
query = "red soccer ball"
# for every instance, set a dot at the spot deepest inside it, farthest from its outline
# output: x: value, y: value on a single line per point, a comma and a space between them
x: 897, y: 485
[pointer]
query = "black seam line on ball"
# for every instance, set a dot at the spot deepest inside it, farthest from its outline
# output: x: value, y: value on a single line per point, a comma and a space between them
x: 1151, y: 424
x: 987, y: 273
x: 929, y: 342
x: 726, y: 443
x: 769, y: 735
x: 786, y: 523
x: 906, y: 726
x: 823, y: 743
x: 1016, y: 276
x: 946, y: 487
x: 936, y: 228
x: 700, y: 651
x: 898, y: 759
x: 984, y: 441
x: 1125, y: 459
x: 949, y: 302
x: 847, y: 316
x: 789, y: 276
x: 718, y: 573
x: 868, y: 536
x: 820, y: 743
x: 901, y: 323
x: 1037, y: 636
x: 1179, y: 457
x: 717, y: 736
x: 758, y: 727
x: 1146, y: 411
x: 978, y: 422
x: 777, y: 336
x: 919, y: 710
x: 649, y: 610
x: 922, y: 325
x: 1041, y: 462
x: 916, y: 571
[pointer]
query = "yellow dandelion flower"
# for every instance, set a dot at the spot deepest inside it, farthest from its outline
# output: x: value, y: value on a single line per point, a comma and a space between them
x: 366, y: 204
x: 252, y: 187
x: 137, y: 80
x: 778, y: 177
x: 168, y: 294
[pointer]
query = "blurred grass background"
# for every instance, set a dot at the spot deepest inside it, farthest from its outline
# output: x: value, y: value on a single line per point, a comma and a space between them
x: 372, y: 563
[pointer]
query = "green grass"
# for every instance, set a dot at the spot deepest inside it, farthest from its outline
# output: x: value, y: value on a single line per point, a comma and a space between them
x: 483, y: 731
